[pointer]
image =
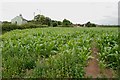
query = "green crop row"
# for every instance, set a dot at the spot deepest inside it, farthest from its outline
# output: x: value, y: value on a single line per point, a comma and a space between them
x: 53, y: 52
x: 108, y: 45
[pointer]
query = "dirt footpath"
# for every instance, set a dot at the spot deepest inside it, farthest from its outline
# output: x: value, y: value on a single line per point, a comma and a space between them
x: 93, y: 70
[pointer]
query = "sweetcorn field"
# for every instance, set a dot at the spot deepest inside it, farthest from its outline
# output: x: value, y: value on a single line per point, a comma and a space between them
x: 56, y: 52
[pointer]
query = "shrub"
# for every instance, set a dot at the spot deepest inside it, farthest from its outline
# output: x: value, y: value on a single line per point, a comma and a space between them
x: 55, y: 24
x: 89, y: 24
x: 8, y: 27
x: 29, y: 25
x: 42, y: 26
x: 67, y: 23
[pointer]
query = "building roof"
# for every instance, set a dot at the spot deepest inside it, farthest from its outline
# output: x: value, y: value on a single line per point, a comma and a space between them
x: 21, y: 17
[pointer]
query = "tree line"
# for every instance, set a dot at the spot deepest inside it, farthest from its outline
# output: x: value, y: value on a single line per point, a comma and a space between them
x: 42, y: 20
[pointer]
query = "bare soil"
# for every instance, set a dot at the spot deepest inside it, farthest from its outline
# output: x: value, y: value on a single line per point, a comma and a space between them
x: 93, y: 70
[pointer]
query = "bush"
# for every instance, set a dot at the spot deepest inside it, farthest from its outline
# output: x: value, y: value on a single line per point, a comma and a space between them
x: 8, y: 27
x: 55, y: 24
x: 67, y: 23
x: 59, y: 23
x: 89, y: 24
x: 29, y: 25
x: 42, y: 26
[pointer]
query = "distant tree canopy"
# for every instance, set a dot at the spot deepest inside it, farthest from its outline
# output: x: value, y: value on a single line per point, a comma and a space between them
x: 41, y: 19
x: 6, y: 22
x: 48, y: 21
x: 59, y: 23
x: 66, y: 22
x: 89, y: 24
x: 54, y: 23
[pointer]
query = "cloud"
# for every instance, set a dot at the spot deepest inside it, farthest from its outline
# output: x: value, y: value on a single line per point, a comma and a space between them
x: 59, y: 0
x: 77, y: 12
x: 108, y: 20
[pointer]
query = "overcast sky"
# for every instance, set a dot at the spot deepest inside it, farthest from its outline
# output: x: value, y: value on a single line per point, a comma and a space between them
x: 77, y: 11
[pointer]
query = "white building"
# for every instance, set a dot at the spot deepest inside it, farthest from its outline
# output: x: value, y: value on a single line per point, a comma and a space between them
x: 18, y: 20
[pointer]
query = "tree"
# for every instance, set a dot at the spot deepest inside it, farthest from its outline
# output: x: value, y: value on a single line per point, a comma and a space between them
x: 48, y: 21
x: 66, y: 23
x: 89, y: 24
x: 40, y: 19
x: 37, y: 18
x: 6, y: 22
x: 54, y: 23
x: 59, y: 23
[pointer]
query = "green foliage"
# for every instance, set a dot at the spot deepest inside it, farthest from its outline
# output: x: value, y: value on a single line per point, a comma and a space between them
x: 9, y: 27
x: 108, y: 45
x: 48, y: 21
x: 41, y: 19
x: 67, y: 23
x: 59, y: 23
x: 6, y: 22
x: 88, y: 24
x: 54, y: 24
x: 55, y: 52
x: 45, y: 50
x: 30, y: 25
